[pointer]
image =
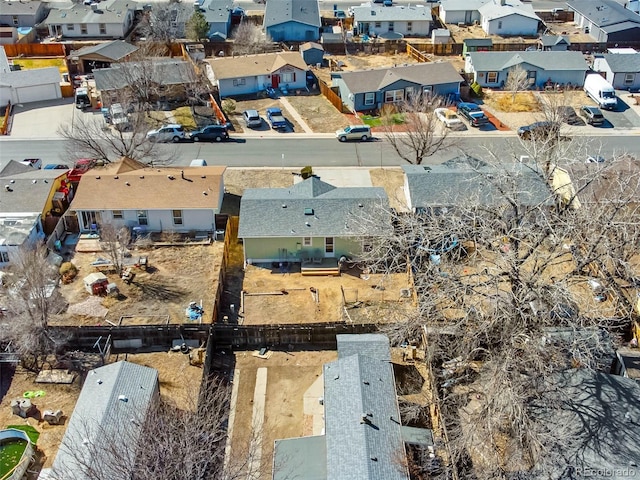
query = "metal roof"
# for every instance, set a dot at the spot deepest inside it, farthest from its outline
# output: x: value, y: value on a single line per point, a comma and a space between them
x: 498, y: 61
x: 623, y: 63
x: 300, y: 11
x: 283, y: 212
x: 444, y: 186
x: 111, y: 397
x: 605, y: 13
x: 380, y: 13
x: 363, y: 81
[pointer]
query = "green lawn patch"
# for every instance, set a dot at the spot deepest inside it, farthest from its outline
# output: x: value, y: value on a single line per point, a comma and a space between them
x: 184, y: 117
x: 31, y: 432
x: 371, y: 120
x: 31, y: 63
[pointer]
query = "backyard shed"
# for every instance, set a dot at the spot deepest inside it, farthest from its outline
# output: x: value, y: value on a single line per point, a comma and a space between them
x: 96, y: 283
x: 312, y: 53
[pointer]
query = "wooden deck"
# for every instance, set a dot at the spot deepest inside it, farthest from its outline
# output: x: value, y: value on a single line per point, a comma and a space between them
x: 328, y: 266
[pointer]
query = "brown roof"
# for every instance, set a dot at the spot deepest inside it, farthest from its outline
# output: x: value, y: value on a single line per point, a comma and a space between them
x: 250, y: 65
x: 128, y: 185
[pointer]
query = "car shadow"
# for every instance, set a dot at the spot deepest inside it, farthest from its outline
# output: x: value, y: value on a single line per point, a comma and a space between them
x: 236, y: 140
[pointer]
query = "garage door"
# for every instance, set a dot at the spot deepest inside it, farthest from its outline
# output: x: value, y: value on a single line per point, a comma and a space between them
x: 37, y: 93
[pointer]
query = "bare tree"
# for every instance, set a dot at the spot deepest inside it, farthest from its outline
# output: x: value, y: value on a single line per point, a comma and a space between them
x: 170, y: 442
x: 114, y: 241
x: 517, y: 79
x: 249, y: 38
x: 505, y: 299
x: 165, y: 22
x: 31, y: 303
x: 413, y: 130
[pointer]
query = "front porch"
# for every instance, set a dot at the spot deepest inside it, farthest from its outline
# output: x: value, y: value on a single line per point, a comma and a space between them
x: 320, y: 266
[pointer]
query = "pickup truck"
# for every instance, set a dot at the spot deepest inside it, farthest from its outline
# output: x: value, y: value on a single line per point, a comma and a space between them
x: 276, y: 119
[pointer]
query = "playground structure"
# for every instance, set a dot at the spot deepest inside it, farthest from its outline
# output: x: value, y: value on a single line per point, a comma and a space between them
x: 16, y: 453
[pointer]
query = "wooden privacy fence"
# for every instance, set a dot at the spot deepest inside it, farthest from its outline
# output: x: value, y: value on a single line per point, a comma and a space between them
x: 217, y: 110
x: 230, y: 234
x: 7, y: 118
x: 332, y: 96
x: 35, y: 50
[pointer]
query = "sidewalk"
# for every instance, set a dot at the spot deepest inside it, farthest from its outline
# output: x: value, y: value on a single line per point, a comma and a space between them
x: 294, y: 113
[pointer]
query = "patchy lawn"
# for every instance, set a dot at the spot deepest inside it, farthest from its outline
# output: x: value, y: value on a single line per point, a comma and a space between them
x: 318, y: 112
x: 505, y: 102
x: 181, y: 115
x: 31, y: 63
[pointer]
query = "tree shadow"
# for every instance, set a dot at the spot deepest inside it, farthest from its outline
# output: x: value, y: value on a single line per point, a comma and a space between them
x: 159, y: 290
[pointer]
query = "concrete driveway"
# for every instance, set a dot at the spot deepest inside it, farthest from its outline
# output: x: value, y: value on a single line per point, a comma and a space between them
x: 41, y: 120
x: 622, y: 117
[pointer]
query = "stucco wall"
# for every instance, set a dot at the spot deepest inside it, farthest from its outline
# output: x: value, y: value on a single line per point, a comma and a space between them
x: 258, y: 250
x: 293, y: 32
x: 160, y: 220
x: 511, y: 25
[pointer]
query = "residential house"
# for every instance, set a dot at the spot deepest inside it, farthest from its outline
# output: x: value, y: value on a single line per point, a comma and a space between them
x: 554, y: 43
x: 292, y: 20
x: 476, y: 45
x: 253, y: 73
x: 101, y: 55
x: 108, y: 19
x: 621, y: 70
x: 218, y: 15
x: 508, y: 18
x: 154, y: 199
x: 31, y: 204
x: 408, y: 20
x: 364, y: 438
x: 164, y: 79
x: 8, y: 35
x: 309, y: 220
x: 490, y: 69
x: 22, y: 14
x: 365, y: 90
x: 312, y: 53
x: 113, y: 403
x: 460, y: 182
x: 464, y: 12
x: 605, y: 20
x: 27, y: 86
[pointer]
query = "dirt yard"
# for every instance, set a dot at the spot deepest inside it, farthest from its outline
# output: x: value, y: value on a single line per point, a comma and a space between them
x: 319, y: 114
x: 175, y: 276
x: 261, y: 105
x: 273, y: 297
x: 178, y: 380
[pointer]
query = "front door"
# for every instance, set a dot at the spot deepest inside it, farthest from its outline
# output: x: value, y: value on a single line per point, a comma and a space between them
x: 275, y: 81
x: 328, y: 247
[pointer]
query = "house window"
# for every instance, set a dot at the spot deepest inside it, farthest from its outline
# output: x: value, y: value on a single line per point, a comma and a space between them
x: 16, y: 22
x: 499, y: 24
x: 328, y: 245
x: 306, y: 241
x: 531, y: 76
x: 409, y: 92
x: 117, y: 214
x: 629, y: 78
x: 142, y: 217
x: 103, y: 29
x: 70, y: 27
x: 288, y: 77
x: 391, y: 26
x: 83, y: 28
x: 239, y: 81
x: 492, y: 77
x: 378, y: 24
x: 393, y: 96
x: 370, y: 98
x: 409, y: 26
x: 177, y: 217
x: 4, y: 257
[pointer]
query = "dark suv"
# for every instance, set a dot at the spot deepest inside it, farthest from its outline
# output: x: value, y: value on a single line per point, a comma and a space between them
x: 211, y: 133
x: 473, y: 114
x: 538, y: 130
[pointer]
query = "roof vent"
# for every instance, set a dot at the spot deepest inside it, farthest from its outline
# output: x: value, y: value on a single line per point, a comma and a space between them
x: 141, y: 176
x: 34, y: 181
x: 205, y: 193
x: 308, y: 211
x: 284, y: 205
x: 307, y: 224
x: 123, y: 398
x: 99, y: 382
x: 127, y: 184
x: 375, y: 459
x: 171, y: 177
x: 7, y: 188
x: 98, y: 177
x: 203, y: 176
x: 360, y: 205
x: 116, y: 177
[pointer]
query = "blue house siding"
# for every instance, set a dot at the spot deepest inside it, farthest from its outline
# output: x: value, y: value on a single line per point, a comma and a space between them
x: 542, y: 77
x: 219, y: 28
x: 293, y: 32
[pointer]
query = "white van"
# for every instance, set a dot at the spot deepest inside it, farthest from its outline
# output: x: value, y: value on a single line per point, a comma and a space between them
x: 600, y: 91
x: 119, y: 117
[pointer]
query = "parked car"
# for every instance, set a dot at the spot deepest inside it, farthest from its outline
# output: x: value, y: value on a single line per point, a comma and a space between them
x: 55, y: 166
x: 354, y: 132
x: 472, y: 113
x: 276, y: 119
x: 449, y: 118
x: 592, y: 115
x: 80, y: 167
x: 252, y: 118
x: 32, y: 162
x: 168, y: 133
x: 569, y: 116
x: 538, y: 130
x: 210, y: 133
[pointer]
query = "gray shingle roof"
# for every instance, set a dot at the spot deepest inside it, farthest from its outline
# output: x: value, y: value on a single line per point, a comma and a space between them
x: 462, y: 5
x: 301, y: 11
x: 498, y: 61
x: 99, y: 413
x: 31, y: 78
x: 494, y: 9
x: 604, y: 13
x: 478, y: 42
x: 310, y: 46
x: 110, y: 11
x: 357, y: 386
x: 20, y: 8
x: 115, y: 50
x: 444, y: 186
x: 623, y: 62
x: 380, y: 13
x: 370, y: 344
x: 363, y: 81
x: 217, y: 11
x: 280, y: 212
x: 303, y: 458
x: 165, y: 72
x: 552, y: 40
x: 29, y: 190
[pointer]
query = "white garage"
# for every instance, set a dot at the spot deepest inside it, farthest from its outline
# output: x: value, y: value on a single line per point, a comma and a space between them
x: 35, y: 85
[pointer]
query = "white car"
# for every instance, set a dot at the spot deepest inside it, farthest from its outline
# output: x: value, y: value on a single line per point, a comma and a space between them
x: 169, y: 133
x: 449, y: 118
